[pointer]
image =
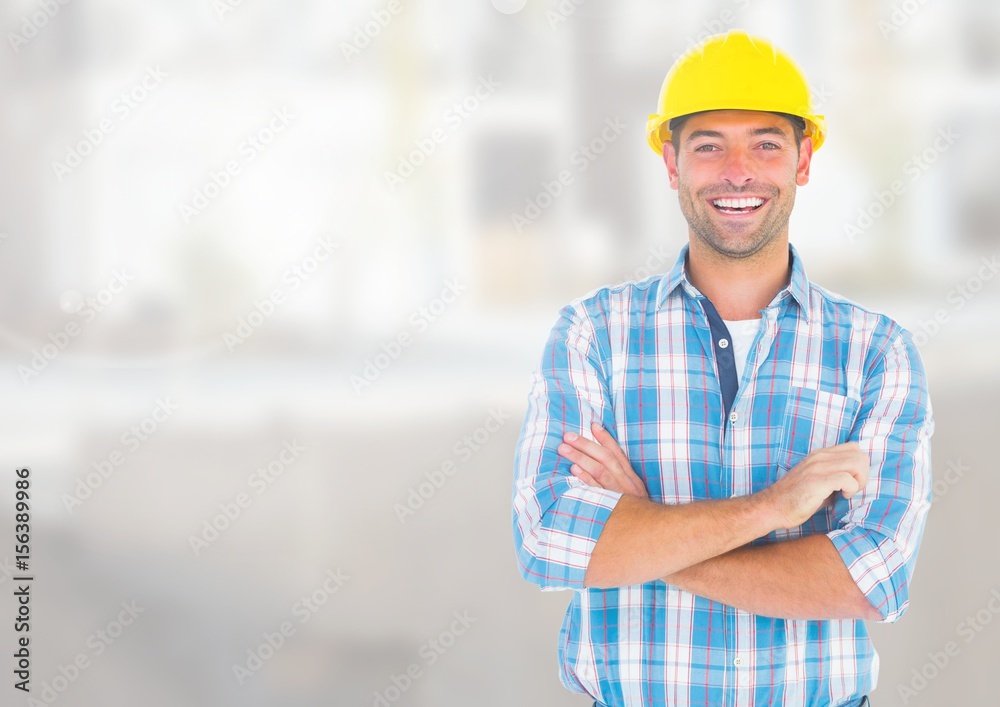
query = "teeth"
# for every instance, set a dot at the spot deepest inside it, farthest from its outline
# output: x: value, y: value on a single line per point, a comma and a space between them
x: 738, y: 203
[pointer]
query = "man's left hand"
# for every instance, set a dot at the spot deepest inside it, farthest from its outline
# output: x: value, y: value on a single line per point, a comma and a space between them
x: 601, y: 463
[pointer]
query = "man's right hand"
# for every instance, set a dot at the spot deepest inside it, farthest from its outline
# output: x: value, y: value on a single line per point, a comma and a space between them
x: 796, y: 496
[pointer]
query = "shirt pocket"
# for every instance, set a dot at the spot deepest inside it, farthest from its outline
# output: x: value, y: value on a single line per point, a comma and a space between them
x: 813, y: 419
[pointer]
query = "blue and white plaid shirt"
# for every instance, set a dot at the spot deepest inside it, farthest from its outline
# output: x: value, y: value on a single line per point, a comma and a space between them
x: 644, y: 360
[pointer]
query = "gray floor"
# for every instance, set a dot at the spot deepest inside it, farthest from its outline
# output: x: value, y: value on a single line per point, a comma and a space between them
x: 334, y: 508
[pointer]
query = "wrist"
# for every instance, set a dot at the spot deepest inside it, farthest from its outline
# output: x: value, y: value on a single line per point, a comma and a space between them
x: 766, y: 508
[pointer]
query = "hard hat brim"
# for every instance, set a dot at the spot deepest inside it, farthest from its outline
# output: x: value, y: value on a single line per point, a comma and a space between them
x: 658, y: 127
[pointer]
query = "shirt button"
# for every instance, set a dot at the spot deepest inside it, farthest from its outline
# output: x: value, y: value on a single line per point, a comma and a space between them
x: 738, y: 661
x: 733, y: 417
x: 723, y: 343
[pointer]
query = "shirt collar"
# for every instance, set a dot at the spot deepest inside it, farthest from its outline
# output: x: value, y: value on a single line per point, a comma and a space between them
x: 797, y: 287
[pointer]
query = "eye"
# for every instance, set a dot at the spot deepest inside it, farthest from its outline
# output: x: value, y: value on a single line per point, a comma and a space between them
x: 704, y: 148
x: 771, y: 146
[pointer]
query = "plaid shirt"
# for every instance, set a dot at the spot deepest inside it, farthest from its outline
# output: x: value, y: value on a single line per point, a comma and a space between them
x: 645, y: 360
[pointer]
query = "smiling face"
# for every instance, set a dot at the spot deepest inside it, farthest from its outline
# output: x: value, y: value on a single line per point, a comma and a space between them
x: 736, y: 173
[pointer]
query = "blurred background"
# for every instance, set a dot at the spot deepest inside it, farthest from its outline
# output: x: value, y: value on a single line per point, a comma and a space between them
x: 274, y: 275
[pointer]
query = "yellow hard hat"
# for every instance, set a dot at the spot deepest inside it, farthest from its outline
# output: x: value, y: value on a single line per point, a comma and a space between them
x: 734, y: 71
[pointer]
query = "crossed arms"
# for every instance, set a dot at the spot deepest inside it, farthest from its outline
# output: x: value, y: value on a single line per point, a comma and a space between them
x: 708, y: 554
x: 582, y: 518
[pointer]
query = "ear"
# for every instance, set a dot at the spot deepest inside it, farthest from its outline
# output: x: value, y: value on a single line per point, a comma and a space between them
x: 805, y: 161
x: 670, y: 159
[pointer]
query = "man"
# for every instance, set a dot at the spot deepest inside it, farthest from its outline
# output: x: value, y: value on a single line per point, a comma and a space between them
x: 728, y: 464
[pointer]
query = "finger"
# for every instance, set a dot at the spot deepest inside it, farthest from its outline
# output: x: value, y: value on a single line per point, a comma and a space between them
x: 584, y: 476
x: 861, y: 473
x: 623, y: 469
x: 621, y: 465
x: 637, y: 488
x: 603, y: 436
x: 844, y: 457
x: 838, y: 451
x: 592, y: 466
x: 857, y: 464
x: 609, y: 442
x: 603, y: 480
x: 592, y: 449
x: 843, y: 447
x: 845, y: 483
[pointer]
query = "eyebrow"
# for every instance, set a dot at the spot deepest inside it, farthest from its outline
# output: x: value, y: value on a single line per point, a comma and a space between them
x: 754, y: 133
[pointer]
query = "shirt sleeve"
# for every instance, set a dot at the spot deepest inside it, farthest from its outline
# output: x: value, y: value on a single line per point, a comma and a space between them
x: 556, y: 517
x: 880, y: 528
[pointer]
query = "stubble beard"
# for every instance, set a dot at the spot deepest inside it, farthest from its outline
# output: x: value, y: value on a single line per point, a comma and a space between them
x: 739, y: 242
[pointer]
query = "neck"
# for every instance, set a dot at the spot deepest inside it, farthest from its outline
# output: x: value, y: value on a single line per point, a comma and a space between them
x: 739, y: 287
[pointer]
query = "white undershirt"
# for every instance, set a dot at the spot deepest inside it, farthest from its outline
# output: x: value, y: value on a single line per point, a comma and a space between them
x: 742, y: 333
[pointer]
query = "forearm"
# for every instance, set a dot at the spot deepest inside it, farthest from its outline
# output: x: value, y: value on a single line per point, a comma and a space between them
x: 804, y: 578
x: 642, y: 540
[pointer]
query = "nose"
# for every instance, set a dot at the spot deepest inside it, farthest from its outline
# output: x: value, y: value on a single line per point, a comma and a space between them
x: 737, y: 168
